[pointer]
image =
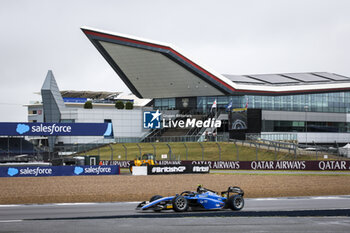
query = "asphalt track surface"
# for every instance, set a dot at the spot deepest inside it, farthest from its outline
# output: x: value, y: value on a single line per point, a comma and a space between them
x: 300, y: 214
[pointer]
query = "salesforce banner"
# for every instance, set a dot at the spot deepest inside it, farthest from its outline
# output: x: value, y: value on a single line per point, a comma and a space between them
x: 34, y: 171
x: 56, y: 129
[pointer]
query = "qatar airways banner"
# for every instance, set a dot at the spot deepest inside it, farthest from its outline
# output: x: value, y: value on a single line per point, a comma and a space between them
x: 329, y: 165
x: 35, y: 171
x: 56, y: 129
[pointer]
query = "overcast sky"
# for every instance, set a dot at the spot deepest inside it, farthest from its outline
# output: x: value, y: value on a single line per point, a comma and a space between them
x: 231, y: 37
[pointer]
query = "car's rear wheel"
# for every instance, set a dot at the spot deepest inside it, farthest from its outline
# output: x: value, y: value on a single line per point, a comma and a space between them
x: 180, y: 204
x: 155, y: 197
x: 236, y: 202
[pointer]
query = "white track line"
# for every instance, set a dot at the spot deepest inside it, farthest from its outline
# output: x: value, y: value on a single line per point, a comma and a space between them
x: 301, y: 198
x: 69, y: 204
x: 10, y: 221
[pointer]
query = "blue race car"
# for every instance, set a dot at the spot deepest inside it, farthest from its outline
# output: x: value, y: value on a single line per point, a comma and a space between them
x: 202, y: 199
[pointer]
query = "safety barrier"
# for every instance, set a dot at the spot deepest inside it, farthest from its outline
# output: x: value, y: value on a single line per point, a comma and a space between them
x: 39, y: 171
x: 327, y: 165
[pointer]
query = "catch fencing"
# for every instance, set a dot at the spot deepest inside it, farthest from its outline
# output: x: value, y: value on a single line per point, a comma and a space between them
x: 235, y: 150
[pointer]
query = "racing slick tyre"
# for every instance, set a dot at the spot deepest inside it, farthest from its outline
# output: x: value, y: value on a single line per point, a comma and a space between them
x: 180, y: 204
x: 130, y: 167
x: 156, y: 197
x: 236, y: 202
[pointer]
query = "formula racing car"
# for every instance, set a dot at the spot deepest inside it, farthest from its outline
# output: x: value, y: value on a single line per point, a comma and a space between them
x: 202, y: 199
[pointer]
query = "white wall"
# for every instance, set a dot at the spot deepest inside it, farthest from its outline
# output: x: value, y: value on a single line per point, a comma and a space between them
x: 126, y: 123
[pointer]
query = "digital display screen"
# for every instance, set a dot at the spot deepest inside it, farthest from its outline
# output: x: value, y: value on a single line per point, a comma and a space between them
x: 238, y: 119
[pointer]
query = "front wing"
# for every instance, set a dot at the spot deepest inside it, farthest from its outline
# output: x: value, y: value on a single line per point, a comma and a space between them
x: 159, y: 204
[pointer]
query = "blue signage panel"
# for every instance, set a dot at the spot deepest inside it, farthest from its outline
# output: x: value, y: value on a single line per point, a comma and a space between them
x: 152, y: 119
x: 74, y: 100
x: 34, y: 171
x: 56, y: 129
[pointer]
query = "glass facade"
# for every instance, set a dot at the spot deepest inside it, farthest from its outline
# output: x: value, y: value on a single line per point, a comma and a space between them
x: 325, y: 102
x: 337, y: 102
x: 300, y: 126
x: 164, y: 104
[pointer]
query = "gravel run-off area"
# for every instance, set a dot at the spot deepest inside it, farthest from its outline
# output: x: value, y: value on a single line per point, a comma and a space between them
x: 27, y: 190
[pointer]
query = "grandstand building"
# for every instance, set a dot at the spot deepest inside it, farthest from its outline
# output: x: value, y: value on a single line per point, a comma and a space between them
x: 311, y: 107
x: 307, y: 107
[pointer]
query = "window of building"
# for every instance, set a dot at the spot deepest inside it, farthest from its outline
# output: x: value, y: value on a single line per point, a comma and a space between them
x: 110, y: 122
x: 67, y: 120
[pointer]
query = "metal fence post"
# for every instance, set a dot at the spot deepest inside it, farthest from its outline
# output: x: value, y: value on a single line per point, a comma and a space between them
x: 154, y: 149
x: 275, y: 151
x: 8, y: 146
x: 237, y: 154
x: 170, y: 152
x: 316, y: 149
x: 256, y: 151
x: 186, y: 151
x: 338, y: 153
x: 20, y: 141
x: 139, y: 149
x: 85, y: 152
x: 219, y: 150
x: 202, y: 150
x: 111, y: 151
x: 126, y: 152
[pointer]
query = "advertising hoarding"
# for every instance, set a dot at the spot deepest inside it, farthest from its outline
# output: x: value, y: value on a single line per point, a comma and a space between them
x: 40, y: 171
x: 55, y: 129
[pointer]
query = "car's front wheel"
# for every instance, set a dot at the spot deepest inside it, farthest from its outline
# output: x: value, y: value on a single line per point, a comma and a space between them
x: 180, y: 204
x: 236, y: 202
